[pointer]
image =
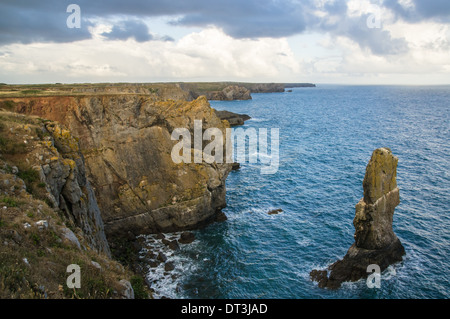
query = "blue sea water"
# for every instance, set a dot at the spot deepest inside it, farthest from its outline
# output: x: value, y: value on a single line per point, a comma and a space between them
x: 327, y: 135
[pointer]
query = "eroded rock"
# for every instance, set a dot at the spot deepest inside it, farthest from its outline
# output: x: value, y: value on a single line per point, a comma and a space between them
x: 375, y: 240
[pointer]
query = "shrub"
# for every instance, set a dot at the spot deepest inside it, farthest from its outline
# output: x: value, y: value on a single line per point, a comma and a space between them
x: 139, y: 289
x: 28, y: 175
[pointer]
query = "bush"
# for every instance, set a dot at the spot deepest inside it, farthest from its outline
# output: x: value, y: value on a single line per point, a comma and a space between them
x: 139, y: 288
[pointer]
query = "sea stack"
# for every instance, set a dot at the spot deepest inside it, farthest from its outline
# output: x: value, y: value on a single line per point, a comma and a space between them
x: 375, y: 240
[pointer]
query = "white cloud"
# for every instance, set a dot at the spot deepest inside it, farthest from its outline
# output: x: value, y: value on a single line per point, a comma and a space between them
x: 209, y: 53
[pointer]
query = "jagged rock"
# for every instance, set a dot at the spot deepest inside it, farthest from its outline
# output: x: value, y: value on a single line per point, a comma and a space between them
x: 172, y: 244
x: 161, y: 257
x: 70, y: 237
x: 375, y: 240
x: 169, y: 266
x: 187, y: 238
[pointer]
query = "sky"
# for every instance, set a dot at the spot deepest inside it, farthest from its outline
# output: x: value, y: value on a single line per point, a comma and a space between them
x: 316, y: 41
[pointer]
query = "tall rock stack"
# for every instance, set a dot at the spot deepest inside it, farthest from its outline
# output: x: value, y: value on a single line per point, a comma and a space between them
x: 375, y: 240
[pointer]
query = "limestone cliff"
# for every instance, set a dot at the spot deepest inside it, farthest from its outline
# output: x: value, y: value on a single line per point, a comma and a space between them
x: 126, y: 143
x: 375, y: 240
x: 49, y: 216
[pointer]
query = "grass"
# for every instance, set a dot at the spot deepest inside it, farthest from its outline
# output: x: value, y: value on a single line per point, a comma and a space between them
x: 8, y: 105
x: 10, y: 147
x: 139, y: 287
x: 10, y: 202
x: 28, y: 175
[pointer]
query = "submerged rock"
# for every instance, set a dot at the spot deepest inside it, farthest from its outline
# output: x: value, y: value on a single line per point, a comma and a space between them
x: 187, y: 238
x: 375, y: 240
x: 275, y: 211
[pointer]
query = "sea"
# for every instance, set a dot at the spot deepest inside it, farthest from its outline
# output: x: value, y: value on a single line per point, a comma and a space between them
x: 326, y: 137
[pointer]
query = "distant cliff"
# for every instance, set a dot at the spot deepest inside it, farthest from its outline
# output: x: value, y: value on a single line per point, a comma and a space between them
x: 235, y: 90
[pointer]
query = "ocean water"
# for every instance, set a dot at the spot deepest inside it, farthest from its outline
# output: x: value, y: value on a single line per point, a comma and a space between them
x: 327, y: 135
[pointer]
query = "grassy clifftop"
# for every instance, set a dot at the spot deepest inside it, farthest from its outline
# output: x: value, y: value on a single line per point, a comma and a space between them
x: 175, y: 90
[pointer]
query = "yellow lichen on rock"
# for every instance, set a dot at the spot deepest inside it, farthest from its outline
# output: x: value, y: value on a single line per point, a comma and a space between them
x: 70, y: 163
x: 381, y: 174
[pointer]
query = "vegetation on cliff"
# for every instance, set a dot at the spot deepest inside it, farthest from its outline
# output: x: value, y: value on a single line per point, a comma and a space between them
x: 39, y: 235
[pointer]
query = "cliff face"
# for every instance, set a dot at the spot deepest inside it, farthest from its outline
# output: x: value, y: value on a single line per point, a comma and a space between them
x: 375, y: 240
x: 63, y: 170
x: 49, y: 216
x: 126, y: 143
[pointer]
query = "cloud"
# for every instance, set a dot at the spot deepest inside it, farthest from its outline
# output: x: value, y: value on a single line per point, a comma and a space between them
x: 43, y: 21
x: 127, y: 29
x: 252, y: 18
x: 379, y: 41
x: 209, y: 54
x: 28, y: 21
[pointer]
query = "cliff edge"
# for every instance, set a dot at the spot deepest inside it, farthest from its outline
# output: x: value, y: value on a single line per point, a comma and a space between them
x: 375, y: 240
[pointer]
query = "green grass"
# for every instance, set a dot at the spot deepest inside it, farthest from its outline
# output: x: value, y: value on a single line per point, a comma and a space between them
x: 10, y: 202
x: 139, y: 287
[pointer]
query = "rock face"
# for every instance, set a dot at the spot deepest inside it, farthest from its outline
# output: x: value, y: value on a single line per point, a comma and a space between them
x: 375, y: 240
x: 69, y: 188
x: 126, y: 143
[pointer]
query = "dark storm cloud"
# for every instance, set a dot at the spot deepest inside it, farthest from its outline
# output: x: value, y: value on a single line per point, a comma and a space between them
x: 37, y: 21
x: 28, y: 21
x: 129, y: 29
x: 253, y: 18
